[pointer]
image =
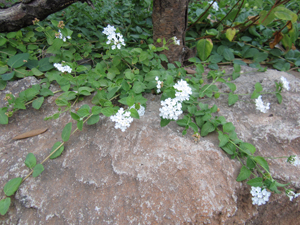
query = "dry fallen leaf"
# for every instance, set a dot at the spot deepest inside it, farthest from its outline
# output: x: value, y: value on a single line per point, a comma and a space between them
x: 190, y: 71
x: 30, y: 133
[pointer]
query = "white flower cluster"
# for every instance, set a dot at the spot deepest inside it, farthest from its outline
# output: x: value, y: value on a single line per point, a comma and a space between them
x: 260, y: 105
x: 158, y: 86
x: 176, y: 41
x: 285, y: 83
x: 62, y: 68
x: 171, y: 108
x: 291, y: 194
x: 183, y: 91
x: 260, y: 196
x: 113, y: 37
x: 215, y: 5
x: 294, y: 160
x: 61, y: 36
x: 123, y: 118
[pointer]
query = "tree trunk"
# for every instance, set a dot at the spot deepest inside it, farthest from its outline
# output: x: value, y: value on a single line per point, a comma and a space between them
x: 169, y: 18
x: 23, y: 13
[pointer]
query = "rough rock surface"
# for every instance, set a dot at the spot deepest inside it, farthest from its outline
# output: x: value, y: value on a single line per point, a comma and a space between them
x: 149, y: 174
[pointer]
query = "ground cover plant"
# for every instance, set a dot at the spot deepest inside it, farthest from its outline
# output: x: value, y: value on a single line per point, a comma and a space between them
x: 109, y: 53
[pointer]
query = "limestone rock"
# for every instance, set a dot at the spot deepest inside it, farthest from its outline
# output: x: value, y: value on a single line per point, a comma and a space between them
x: 149, y: 174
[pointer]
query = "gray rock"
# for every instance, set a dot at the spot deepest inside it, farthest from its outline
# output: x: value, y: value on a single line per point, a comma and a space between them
x: 149, y: 174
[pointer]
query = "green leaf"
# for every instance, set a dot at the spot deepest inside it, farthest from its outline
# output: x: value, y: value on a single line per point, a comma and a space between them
x: 228, y: 55
x: 30, y: 160
x: 134, y: 113
x: 83, y: 112
x: 229, y: 148
x: 61, y: 102
x: 258, y: 87
x: 204, y: 48
x: 230, y: 33
x: 232, y: 98
x: 143, y: 56
x: 262, y: 56
x: 74, y: 116
x: 231, y: 86
x: 37, y: 170
x: 283, y: 13
x: 262, y: 162
x: 279, y: 98
x: 112, y: 92
x: 247, y: 148
x: 93, y: 119
x: 2, y: 84
x: 255, y: 182
x: 55, y: 48
x: 228, y: 127
x: 58, y: 152
x: 223, y: 138
x: 65, y: 135
x: 8, y: 76
x: 164, y: 122
x: 96, y: 110
x: 12, y: 186
x: 36, y: 72
x: 4, y: 206
x: 107, y: 111
x: 18, y: 60
x: 37, y: 103
x: 215, y: 58
x: 244, y: 174
x: 80, y: 125
x: 3, y: 117
x: 255, y: 95
x: 182, y: 122
x: 193, y: 126
x: 207, y: 128
x: 250, y: 163
x: 45, y: 65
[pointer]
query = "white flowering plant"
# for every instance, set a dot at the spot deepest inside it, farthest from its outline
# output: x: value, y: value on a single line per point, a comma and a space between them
x: 120, y: 74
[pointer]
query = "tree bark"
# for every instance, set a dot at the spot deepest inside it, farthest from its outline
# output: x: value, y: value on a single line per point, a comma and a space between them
x: 169, y: 18
x: 22, y: 14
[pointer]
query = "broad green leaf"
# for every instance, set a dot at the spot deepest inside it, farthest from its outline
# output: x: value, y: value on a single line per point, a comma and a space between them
x: 93, y: 119
x: 230, y: 33
x: 36, y: 72
x: 204, y: 48
x: 266, y: 20
x: 262, y: 162
x: 37, y: 103
x: 223, y: 138
x: 164, y: 122
x: 4, y: 206
x: 228, y: 55
x: 143, y: 56
x: 229, y: 148
x: 3, y: 117
x: 37, y: 170
x: 231, y: 86
x: 258, y: 87
x: 107, y: 111
x: 283, y: 13
x: 232, y: 98
x: 262, y: 56
x: 228, y: 127
x: 8, y: 76
x: 2, y: 84
x: 12, y: 186
x: 255, y: 182
x: 255, y: 95
x: 18, y: 60
x: 134, y: 113
x: 30, y: 160
x: 207, y: 128
x: 215, y: 58
x: 80, y: 124
x: 61, y: 102
x: 244, y: 174
x: 58, y: 152
x: 247, y: 148
x: 250, y: 163
x: 55, y: 48
x: 65, y: 135
x: 182, y: 122
x: 75, y: 116
x: 45, y: 65
x: 138, y: 87
x: 96, y: 110
x: 193, y: 126
x: 112, y: 92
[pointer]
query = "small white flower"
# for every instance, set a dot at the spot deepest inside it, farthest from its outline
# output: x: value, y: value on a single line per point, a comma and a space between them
x: 215, y: 5
x: 141, y: 110
x: 122, y: 119
x: 113, y: 37
x: 260, y: 105
x: 61, y: 36
x: 62, y: 68
x: 183, y: 91
x: 260, y: 196
x: 176, y: 41
x: 291, y: 194
x: 285, y: 83
x: 171, y: 109
x: 158, y: 86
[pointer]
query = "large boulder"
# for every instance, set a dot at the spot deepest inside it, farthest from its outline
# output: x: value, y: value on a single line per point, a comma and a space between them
x: 149, y: 174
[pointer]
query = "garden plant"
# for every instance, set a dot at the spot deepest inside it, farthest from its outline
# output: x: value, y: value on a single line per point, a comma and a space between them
x: 109, y: 53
